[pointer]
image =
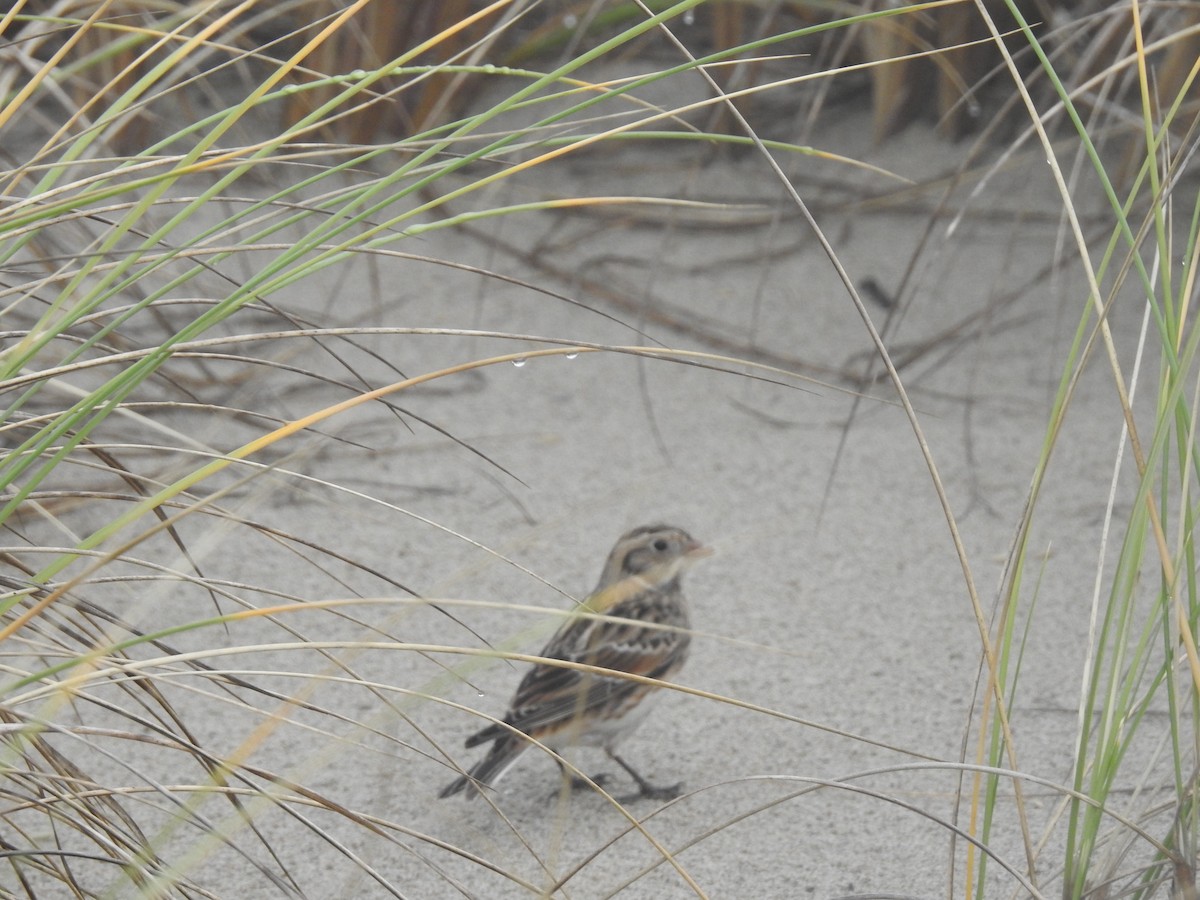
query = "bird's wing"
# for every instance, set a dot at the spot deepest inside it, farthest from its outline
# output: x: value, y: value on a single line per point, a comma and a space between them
x: 550, y: 694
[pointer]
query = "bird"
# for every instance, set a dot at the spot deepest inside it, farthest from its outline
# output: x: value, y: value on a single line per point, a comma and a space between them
x: 564, y: 707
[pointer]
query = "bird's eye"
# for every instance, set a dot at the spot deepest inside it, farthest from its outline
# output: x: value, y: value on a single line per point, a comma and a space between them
x: 661, y: 545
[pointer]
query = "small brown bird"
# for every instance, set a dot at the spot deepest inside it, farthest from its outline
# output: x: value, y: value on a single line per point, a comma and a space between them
x: 562, y: 707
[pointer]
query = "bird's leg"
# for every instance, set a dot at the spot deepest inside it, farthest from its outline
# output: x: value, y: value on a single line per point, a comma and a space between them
x: 645, y: 788
x: 582, y: 784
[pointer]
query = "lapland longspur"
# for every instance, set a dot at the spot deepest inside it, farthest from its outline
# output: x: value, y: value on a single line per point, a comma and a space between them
x: 564, y: 707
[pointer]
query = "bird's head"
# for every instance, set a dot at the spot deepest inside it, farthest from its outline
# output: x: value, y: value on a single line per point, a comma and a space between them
x: 653, y: 554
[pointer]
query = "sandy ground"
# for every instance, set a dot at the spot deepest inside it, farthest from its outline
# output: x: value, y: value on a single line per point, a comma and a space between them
x: 835, y: 597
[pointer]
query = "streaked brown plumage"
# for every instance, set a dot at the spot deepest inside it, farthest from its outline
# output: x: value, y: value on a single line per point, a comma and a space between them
x: 563, y: 707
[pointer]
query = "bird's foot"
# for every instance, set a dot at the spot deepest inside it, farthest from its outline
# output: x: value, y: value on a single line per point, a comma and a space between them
x: 578, y: 783
x: 600, y: 779
x: 648, y: 791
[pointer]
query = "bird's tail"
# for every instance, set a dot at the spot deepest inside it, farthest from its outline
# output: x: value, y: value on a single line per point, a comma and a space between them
x: 488, y: 770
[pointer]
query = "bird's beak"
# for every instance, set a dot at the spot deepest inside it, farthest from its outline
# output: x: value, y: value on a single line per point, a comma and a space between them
x: 696, y: 550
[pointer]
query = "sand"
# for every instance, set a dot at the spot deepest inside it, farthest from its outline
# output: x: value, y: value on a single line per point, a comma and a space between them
x: 834, y: 630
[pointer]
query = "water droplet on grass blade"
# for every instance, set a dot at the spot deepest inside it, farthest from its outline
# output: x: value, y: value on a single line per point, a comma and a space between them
x: 572, y: 355
x: 519, y: 362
